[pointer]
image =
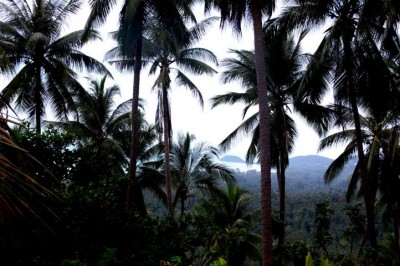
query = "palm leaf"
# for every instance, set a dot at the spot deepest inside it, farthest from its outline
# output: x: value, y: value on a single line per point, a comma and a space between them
x: 336, y: 167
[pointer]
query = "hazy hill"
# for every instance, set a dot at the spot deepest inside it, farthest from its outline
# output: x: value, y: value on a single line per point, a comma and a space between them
x: 304, y: 174
x: 232, y: 159
x: 309, y: 161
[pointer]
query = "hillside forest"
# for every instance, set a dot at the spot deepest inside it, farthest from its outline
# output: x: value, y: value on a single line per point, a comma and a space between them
x: 101, y: 184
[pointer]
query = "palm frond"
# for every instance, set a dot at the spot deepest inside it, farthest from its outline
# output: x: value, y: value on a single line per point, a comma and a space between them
x: 252, y: 154
x: 339, y: 163
x: 183, y: 80
x: 98, y: 13
x: 200, y: 54
x: 21, y: 195
x: 199, y: 29
x: 337, y: 138
x: 245, y: 127
x: 232, y: 98
x: 354, y: 182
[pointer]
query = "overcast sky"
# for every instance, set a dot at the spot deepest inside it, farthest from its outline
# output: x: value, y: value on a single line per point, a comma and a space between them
x: 211, y: 126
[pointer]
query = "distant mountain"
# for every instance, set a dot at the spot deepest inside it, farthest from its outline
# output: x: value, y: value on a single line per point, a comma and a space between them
x: 309, y: 159
x: 308, y: 163
x: 232, y: 159
x: 304, y: 174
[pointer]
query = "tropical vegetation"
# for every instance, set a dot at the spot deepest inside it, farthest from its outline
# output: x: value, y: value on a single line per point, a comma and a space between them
x: 86, y: 179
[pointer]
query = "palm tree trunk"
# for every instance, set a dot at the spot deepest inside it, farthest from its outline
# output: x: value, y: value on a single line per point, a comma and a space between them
x: 167, y: 138
x: 38, y: 100
x: 396, y: 230
x: 395, y: 199
x: 278, y: 175
x: 183, y: 206
x: 38, y: 127
x: 140, y: 205
x: 282, y: 202
x: 134, y: 124
x: 265, y: 150
x: 368, y: 200
x: 283, y: 160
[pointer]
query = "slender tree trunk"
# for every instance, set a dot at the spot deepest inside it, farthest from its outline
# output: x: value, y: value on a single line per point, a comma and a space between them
x: 396, y: 230
x: 282, y: 200
x: 38, y: 100
x: 278, y: 175
x: 394, y: 182
x: 265, y: 149
x: 283, y: 160
x: 134, y: 125
x: 281, y: 227
x: 140, y: 205
x: 182, y: 206
x: 37, y: 121
x: 368, y: 200
x: 393, y: 144
x: 167, y: 138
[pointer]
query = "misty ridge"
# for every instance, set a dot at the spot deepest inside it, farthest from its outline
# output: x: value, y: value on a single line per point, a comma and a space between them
x: 304, y: 174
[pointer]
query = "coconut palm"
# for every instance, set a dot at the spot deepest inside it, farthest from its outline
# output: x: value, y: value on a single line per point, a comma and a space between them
x: 149, y: 167
x: 347, y: 58
x: 386, y: 15
x: 134, y: 15
x: 389, y: 201
x: 41, y: 61
x: 233, y: 12
x: 194, y: 169
x: 229, y: 210
x: 186, y: 57
x: 377, y: 135
x: 103, y: 128
x: 168, y: 60
x: 283, y: 63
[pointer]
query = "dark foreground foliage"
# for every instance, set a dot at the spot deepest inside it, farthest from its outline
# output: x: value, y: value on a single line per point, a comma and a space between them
x: 92, y: 226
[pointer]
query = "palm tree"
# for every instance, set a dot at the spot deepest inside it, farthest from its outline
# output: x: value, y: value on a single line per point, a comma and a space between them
x: 194, y: 169
x: 229, y: 210
x: 134, y: 15
x: 41, y: 60
x: 386, y: 15
x: 283, y: 63
x: 389, y: 184
x: 377, y: 135
x: 165, y: 58
x: 390, y: 199
x: 104, y: 129
x: 149, y: 167
x: 185, y: 58
x: 233, y: 11
x: 348, y: 57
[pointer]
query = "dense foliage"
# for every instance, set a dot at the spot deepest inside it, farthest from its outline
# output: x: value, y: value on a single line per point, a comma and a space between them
x: 102, y: 186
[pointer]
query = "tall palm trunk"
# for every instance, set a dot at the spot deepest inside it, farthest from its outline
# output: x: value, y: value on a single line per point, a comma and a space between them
x: 167, y: 138
x: 368, y: 200
x: 394, y: 198
x: 265, y: 150
x: 283, y: 159
x: 134, y: 124
x: 282, y: 197
x: 38, y: 87
x: 396, y: 229
x: 140, y: 205
x: 183, y: 198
